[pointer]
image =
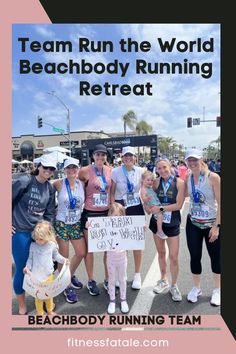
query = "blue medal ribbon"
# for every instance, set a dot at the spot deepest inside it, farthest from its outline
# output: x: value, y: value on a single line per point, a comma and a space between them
x: 102, y: 180
x: 165, y: 187
x: 130, y: 185
x: 195, y: 192
x: 72, y: 199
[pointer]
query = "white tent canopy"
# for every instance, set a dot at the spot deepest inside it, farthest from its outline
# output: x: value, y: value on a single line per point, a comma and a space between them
x: 56, y: 148
x: 14, y: 161
x: 56, y: 156
x: 26, y: 161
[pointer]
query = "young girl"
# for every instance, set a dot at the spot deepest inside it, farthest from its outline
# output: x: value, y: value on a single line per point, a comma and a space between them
x: 42, y: 253
x: 117, y: 264
x: 149, y: 198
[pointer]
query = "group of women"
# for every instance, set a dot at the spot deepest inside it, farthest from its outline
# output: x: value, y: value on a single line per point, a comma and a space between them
x: 89, y: 191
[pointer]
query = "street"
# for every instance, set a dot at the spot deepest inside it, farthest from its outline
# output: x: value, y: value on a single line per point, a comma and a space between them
x: 144, y: 301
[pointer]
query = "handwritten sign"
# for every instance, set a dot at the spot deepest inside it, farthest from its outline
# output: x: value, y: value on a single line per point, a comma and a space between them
x: 44, y: 290
x: 116, y: 233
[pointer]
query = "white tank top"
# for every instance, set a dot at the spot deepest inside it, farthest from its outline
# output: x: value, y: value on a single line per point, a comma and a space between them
x: 64, y: 211
x: 203, y: 213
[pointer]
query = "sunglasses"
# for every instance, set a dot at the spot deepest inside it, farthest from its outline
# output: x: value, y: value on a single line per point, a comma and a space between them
x: 72, y: 166
x: 52, y: 169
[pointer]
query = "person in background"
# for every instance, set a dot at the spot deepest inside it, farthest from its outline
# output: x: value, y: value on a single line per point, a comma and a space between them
x: 97, y: 180
x: 67, y: 225
x: 126, y: 184
x: 42, y: 253
x: 203, y: 223
x: 33, y: 199
x: 182, y: 170
x: 170, y: 191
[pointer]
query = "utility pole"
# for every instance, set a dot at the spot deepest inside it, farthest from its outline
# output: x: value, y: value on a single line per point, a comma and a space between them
x: 52, y: 93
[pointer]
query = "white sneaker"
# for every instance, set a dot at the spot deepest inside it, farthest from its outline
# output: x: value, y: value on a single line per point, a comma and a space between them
x: 136, y: 282
x: 175, y: 293
x: 162, y: 284
x: 124, y: 307
x: 215, y: 298
x: 111, y: 308
x: 194, y: 294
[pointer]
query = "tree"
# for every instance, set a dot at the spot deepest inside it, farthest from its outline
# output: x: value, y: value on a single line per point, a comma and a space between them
x: 143, y: 128
x: 166, y: 144
x: 129, y: 120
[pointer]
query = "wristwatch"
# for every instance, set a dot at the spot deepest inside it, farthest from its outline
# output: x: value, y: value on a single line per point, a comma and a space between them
x: 161, y: 209
x: 218, y: 225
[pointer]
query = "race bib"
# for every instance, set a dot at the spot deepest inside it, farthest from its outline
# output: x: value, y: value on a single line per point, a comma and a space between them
x: 200, y: 211
x: 167, y: 217
x: 131, y: 199
x: 100, y: 199
x: 72, y: 216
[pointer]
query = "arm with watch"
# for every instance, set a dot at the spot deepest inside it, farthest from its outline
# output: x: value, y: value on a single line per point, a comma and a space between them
x: 171, y: 207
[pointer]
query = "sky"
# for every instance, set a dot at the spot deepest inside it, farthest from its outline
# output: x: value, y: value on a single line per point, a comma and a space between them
x: 174, y: 96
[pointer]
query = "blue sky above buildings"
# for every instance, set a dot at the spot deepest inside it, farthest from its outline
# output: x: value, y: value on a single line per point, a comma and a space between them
x: 175, y: 96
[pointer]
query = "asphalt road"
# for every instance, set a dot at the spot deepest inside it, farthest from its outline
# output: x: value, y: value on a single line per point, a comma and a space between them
x: 143, y: 301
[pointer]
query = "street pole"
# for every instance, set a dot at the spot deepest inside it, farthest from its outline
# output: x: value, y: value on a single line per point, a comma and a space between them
x: 67, y: 117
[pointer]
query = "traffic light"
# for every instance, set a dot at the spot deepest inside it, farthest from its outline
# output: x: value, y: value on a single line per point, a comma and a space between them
x: 189, y: 122
x: 40, y: 122
x: 218, y: 121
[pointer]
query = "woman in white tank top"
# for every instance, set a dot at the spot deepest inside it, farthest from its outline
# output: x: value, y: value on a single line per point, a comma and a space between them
x: 67, y: 225
x: 203, y: 223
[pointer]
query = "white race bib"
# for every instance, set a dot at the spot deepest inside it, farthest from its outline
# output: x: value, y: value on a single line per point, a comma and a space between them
x: 167, y: 217
x: 200, y: 211
x: 100, y: 199
x: 131, y: 199
x: 72, y: 216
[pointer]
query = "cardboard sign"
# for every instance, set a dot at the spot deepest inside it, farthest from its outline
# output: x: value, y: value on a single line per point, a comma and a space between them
x: 116, y: 233
x: 44, y: 290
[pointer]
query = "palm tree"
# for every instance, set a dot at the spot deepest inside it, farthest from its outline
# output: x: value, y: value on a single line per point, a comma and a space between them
x: 165, y: 144
x: 143, y: 128
x: 129, y: 120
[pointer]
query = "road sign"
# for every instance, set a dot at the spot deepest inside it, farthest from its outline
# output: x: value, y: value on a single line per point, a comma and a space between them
x: 59, y: 130
x: 196, y: 121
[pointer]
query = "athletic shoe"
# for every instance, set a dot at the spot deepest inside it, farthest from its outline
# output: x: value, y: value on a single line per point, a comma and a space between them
x: 162, y: 285
x: 92, y: 288
x: 175, y: 293
x: 105, y: 284
x: 194, y: 294
x: 111, y: 308
x: 215, y: 298
x: 124, y: 307
x: 136, y: 281
x: 70, y: 295
x: 76, y: 283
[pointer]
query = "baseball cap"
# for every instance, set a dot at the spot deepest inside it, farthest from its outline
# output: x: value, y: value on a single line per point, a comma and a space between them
x: 100, y: 148
x: 128, y: 150
x: 48, y: 161
x: 197, y: 154
x: 71, y: 161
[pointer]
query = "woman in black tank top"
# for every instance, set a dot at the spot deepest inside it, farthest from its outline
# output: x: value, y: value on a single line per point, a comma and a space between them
x: 170, y: 191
